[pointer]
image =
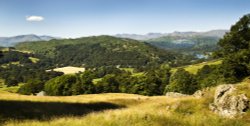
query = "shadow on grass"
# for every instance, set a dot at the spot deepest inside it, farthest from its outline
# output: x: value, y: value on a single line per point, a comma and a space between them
x: 22, y: 110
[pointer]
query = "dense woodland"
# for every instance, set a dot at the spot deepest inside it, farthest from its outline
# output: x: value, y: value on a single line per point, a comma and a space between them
x: 104, y: 51
x: 101, y: 55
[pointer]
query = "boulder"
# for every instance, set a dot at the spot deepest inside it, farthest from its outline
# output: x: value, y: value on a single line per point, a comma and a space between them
x: 227, y: 103
x: 175, y: 94
x: 41, y: 93
x: 201, y: 93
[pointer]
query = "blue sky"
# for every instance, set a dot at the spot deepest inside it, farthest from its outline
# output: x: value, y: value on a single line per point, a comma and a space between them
x: 76, y: 18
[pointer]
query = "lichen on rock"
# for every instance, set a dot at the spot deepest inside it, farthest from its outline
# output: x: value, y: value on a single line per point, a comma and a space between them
x: 227, y: 103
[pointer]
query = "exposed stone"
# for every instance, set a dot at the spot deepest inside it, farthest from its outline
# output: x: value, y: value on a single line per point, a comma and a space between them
x: 175, y: 94
x: 41, y: 93
x: 199, y: 94
x: 228, y: 104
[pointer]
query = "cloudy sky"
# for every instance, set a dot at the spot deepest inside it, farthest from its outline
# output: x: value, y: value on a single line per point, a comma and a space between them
x: 76, y: 18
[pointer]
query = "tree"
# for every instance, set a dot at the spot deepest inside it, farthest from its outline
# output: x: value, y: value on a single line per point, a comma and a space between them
x: 1, y: 54
x: 84, y: 84
x: 32, y: 87
x: 10, y: 82
x: 61, y: 85
x: 235, y: 50
x: 108, y: 84
x: 183, y: 82
x: 209, y: 76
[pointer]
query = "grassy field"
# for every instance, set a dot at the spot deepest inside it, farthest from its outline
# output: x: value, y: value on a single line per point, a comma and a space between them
x: 112, y: 109
x: 69, y: 70
x: 194, y: 68
x: 12, y: 89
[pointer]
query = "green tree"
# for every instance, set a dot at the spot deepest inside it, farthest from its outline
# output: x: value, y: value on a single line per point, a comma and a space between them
x: 108, y: 84
x: 32, y: 87
x: 10, y: 82
x: 235, y: 50
x: 183, y: 82
x: 61, y: 85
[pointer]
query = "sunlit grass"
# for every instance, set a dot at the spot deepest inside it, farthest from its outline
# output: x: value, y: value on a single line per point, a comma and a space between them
x: 34, y: 60
x: 95, y: 81
x: 195, y: 67
x: 139, y: 111
x: 12, y: 89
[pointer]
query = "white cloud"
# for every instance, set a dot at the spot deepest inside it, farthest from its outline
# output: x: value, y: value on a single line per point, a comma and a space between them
x: 34, y: 18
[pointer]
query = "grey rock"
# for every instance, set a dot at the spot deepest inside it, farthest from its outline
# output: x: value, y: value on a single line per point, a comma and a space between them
x: 199, y: 94
x: 227, y: 103
x: 41, y: 93
x: 175, y: 94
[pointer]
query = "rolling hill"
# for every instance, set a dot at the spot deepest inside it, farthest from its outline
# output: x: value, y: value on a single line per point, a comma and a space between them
x: 99, y: 51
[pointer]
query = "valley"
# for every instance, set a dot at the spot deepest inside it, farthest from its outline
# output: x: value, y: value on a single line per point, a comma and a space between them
x: 124, y: 63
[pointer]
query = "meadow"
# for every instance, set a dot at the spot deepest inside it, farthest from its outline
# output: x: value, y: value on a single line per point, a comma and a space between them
x: 113, y: 109
x: 195, y: 67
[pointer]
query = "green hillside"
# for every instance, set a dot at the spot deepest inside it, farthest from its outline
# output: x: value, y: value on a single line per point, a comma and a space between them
x: 99, y: 51
x: 195, y: 67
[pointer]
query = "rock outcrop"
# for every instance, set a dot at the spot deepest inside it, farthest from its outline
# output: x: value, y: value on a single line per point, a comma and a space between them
x: 41, y: 93
x: 175, y: 94
x: 227, y: 103
x: 201, y: 93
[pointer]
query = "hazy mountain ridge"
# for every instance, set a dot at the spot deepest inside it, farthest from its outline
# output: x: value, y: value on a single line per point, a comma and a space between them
x: 190, y: 42
x: 12, y: 41
x: 212, y: 33
x: 140, y: 37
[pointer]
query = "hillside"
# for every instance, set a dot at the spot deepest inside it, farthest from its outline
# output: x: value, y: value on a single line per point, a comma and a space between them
x: 12, y: 41
x: 194, y: 68
x: 115, y: 109
x: 99, y: 51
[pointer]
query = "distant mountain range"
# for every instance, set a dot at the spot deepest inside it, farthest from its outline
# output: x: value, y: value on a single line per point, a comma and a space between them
x: 189, y: 42
x: 212, y: 33
x: 12, y: 41
x: 140, y: 37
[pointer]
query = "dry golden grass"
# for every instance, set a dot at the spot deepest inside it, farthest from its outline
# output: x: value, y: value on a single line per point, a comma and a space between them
x: 69, y: 70
x: 139, y: 111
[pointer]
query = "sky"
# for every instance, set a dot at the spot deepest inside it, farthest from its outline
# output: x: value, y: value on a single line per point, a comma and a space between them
x: 78, y: 18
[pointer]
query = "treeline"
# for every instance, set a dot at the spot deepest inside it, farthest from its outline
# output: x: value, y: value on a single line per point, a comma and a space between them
x: 14, y: 56
x: 113, y: 80
x: 156, y: 81
x: 24, y: 71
